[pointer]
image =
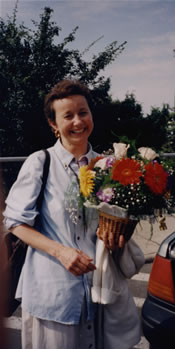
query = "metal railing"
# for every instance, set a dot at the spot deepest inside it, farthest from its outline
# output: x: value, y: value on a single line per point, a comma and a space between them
x: 22, y: 158
x: 12, y: 158
x: 167, y: 155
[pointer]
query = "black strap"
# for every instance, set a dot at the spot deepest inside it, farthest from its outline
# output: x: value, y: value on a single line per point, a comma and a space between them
x: 44, y: 178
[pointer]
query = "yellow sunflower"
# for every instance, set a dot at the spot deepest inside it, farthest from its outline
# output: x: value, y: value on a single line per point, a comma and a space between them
x: 86, y: 180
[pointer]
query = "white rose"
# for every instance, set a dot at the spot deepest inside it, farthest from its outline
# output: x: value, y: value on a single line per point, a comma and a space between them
x: 101, y: 163
x: 120, y: 150
x: 147, y: 153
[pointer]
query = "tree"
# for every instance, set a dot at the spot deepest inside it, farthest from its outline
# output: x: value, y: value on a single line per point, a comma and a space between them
x: 169, y: 145
x: 31, y: 62
x: 121, y: 118
x: 124, y: 121
x: 154, y: 128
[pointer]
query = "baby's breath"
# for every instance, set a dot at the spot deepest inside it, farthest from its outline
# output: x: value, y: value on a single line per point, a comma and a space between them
x: 72, y: 201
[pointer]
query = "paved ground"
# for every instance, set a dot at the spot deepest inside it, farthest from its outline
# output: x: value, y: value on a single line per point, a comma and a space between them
x: 150, y: 242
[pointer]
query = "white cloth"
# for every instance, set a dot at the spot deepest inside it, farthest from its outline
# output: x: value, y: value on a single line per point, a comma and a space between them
x: 46, y: 334
x: 119, y: 324
x: 132, y: 259
x: 113, y: 210
x: 108, y: 281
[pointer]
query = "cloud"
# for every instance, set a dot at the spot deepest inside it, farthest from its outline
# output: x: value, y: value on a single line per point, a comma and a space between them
x: 154, y: 47
x: 151, y: 80
x: 159, y: 39
x: 145, y: 69
x: 147, y: 93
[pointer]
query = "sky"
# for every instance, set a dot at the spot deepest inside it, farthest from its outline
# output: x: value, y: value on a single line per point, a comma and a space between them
x: 145, y: 68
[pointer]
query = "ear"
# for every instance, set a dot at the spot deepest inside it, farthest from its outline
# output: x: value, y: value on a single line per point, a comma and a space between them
x: 52, y: 124
x: 54, y: 128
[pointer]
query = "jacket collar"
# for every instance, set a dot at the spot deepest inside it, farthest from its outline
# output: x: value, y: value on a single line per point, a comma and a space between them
x: 66, y: 157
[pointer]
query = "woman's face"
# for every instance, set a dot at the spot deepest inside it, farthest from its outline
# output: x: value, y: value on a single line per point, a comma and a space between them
x: 73, y: 121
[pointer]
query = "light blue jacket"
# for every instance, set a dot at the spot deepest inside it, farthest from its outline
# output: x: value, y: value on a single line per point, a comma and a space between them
x: 47, y: 289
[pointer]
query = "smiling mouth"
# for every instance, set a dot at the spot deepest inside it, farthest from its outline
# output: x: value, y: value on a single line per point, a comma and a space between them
x: 78, y: 131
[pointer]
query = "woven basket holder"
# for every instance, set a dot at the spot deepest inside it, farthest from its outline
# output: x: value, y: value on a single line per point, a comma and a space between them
x: 116, y: 225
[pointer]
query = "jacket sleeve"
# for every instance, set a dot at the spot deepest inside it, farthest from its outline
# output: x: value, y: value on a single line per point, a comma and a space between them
x: 21, y: 201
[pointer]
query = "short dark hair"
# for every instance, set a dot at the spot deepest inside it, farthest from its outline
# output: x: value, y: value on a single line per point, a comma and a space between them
x: 63, y: 89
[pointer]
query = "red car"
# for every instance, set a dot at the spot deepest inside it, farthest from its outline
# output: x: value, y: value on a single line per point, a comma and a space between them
x: 158, y: 311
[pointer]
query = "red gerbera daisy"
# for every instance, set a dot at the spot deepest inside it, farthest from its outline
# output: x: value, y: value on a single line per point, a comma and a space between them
x: 126, y: 171
x: 156, y: 178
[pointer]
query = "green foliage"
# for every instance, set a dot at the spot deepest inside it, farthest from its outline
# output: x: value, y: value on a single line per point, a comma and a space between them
x: 169, y: 145
x: 154, y: 128
x: 123, y: 121
x: 31, y: 62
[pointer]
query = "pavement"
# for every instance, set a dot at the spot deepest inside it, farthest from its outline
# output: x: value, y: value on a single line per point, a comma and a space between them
x: 149, y: 241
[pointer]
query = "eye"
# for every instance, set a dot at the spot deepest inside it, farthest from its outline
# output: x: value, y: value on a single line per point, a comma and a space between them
x: 68, y: 116
x: 83, y: 113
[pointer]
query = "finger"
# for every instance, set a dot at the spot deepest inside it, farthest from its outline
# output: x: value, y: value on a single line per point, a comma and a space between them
x: 112, y: 248
x: 99, y: 234
x: 105, y: 237
x: 121, y: 241
x: 75, y: 271
x: 111, y: 240
x: 87, y: 265
x: 91, y: 267
x: 85, y: 268
x: 80, y: 268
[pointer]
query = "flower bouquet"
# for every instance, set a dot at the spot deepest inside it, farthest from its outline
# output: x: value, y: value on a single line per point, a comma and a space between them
x: 125, y: 189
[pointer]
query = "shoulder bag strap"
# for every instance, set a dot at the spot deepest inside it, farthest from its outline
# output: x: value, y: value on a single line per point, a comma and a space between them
x: 44, y: 178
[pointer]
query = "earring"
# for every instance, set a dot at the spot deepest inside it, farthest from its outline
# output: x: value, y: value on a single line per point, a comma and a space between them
x: 56, y: 132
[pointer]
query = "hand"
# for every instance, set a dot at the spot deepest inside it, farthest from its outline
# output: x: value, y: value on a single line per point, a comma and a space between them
x: 75, y: 261
x: 109, y: 240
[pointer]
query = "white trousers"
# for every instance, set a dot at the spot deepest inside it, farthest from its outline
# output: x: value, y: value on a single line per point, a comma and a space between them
x: 44, y: 334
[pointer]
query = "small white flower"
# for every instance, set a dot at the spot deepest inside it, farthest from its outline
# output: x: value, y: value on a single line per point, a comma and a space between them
x: 101, y: 163
x: 120, y: 150
x: 147, y: 153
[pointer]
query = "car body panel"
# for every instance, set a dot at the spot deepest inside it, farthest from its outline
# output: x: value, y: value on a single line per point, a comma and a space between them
x: 158, y: 315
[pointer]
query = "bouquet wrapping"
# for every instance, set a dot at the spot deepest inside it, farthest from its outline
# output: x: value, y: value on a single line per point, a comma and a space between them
x: 126, y: 188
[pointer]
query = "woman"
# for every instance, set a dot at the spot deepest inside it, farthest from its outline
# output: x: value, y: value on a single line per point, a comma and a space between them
x: 55, y: 282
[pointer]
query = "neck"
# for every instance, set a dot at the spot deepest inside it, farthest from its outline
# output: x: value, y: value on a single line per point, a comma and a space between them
x: 77, y: 151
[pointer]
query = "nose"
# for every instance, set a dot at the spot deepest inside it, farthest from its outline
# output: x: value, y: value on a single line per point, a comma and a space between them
x: 77, y: 120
